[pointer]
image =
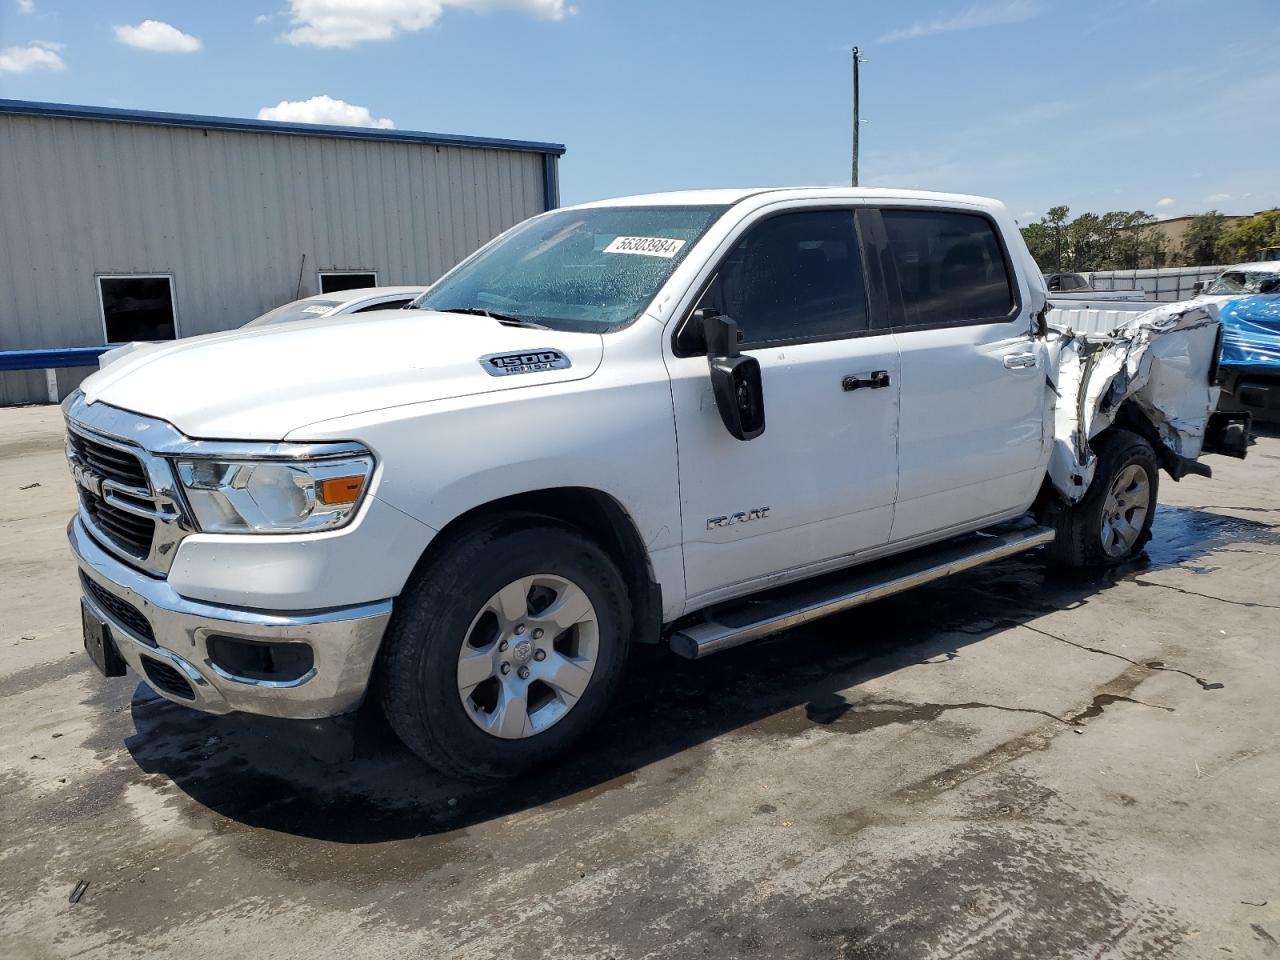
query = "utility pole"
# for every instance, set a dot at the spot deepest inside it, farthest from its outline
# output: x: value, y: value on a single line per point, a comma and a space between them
x: 856, y: 122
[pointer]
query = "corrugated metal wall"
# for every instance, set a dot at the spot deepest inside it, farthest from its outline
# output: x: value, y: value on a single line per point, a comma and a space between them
x: 230, y: 216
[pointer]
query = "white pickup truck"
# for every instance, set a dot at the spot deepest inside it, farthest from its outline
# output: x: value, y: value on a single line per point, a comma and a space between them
x: 692, y: 418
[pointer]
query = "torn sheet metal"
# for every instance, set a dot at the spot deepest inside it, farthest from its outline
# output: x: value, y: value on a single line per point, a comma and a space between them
x: 1160, y: 359
x: 1251, y: 331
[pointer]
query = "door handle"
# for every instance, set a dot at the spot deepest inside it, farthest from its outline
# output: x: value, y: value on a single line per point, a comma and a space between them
x: 1020, y: 361
x: 877, y: 379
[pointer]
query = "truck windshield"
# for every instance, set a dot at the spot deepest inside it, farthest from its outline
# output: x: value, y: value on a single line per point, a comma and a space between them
x: 591, y: 270
x: 1242, y: 281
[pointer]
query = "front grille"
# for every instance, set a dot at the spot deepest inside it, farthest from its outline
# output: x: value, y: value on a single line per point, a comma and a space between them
x: 109, y: 462
x: 131, y: 533
x: 120, y: 610
x: 165, y: 678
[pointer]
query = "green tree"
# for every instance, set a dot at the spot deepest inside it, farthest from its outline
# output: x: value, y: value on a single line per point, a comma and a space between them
x: 1056, y: 221
x: 1086, y: 242
x: 1204, y: 234
x: 1248, y: 238
x: 1115, y: 240
x: 1132, y: 244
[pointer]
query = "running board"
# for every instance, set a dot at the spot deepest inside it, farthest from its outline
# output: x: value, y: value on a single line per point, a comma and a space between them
x: 789, y: 607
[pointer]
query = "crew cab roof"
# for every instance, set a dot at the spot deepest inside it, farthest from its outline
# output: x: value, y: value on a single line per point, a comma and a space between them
x: 727, y: 197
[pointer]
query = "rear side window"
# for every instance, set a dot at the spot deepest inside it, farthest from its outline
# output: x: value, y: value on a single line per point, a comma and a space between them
x: 950, y: 267
x: 796, y: 276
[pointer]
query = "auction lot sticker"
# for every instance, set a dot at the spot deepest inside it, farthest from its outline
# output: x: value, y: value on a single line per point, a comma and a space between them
x: 646, y: 246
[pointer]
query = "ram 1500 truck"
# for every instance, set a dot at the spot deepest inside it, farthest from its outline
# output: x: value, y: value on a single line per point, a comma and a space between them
x: 692, y: 418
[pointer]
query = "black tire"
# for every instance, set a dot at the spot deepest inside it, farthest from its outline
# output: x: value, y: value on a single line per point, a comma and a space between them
x: 419, y: 660
x: 1079, y: 527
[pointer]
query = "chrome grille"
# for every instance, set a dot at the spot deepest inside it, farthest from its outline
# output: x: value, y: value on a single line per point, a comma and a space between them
x: 128, y: 496
x: 128, y: 531
x: 111, y: 463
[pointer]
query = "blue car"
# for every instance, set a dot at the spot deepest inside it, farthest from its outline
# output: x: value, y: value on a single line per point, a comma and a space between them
x: 1249, y: 369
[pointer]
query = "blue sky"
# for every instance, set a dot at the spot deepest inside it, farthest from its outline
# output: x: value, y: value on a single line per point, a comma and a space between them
x: 1163, y: 105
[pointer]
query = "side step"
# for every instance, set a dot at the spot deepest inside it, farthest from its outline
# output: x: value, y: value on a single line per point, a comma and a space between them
x: 788, y: 607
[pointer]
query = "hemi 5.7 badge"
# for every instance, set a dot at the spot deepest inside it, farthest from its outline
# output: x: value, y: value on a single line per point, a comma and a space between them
x: 529, y: 361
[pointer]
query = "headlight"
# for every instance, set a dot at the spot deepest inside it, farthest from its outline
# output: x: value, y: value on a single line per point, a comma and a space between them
x: 274, y: 496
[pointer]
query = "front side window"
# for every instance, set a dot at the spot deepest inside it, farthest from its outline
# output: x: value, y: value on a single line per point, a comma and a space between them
x: 795, y: 276
x: 591, y: 270
x: 137, y: 308
x: 950, y: 267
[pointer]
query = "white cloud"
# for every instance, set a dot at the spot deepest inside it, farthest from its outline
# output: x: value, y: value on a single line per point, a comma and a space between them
x: 264, y: 18
x: 323, y: 109
x: 1164, y: 203
x: 990, y: 13
x: 1039, y: 113
x: 37, y: 55
x: 26, y: 6
x: 157, y: 36
x: 1217, y: 197
x: 345, y: 23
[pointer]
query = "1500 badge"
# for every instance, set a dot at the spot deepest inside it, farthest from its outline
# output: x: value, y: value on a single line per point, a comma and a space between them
x: 759, y: 513
x: 529, y: 361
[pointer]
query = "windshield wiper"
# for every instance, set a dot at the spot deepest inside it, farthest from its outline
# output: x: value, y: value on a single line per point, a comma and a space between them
x: 502, y: 318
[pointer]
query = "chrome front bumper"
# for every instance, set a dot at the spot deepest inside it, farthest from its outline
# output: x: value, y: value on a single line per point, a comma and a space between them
x: 344, y: 642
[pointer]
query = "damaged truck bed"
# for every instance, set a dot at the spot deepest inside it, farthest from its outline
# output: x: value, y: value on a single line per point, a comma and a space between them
x: 1150, y: 367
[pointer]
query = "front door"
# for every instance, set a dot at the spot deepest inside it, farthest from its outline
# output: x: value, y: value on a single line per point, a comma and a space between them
x: 819, y: 484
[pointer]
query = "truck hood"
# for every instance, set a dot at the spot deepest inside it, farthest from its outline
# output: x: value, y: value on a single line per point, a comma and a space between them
x: 262, y: 383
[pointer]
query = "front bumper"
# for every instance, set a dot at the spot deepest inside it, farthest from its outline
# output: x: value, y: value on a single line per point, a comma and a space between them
x: 343, y: 641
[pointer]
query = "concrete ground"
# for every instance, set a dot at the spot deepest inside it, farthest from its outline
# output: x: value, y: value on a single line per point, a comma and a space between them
x: 1001, y: 766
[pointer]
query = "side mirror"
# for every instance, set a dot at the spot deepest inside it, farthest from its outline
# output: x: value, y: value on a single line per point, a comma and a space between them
x: 1197, y: 287
x: 735, y: 379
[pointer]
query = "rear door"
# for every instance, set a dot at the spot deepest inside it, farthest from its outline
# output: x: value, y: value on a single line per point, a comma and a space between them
x: 971, y: 446
x: 819, y: 483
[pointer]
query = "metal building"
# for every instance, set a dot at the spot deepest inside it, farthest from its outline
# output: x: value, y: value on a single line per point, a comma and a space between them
x: 119, y: 223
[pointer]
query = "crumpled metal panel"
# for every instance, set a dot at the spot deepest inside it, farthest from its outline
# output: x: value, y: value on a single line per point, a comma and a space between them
x: 1159, y: 359
x: 1251, y: 331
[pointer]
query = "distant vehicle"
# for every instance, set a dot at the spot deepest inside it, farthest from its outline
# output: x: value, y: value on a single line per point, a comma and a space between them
x: 1248, y: 300
x: 1243, y: 280
x: 338, y: 303
x: 1066, y: 282
x: 1076, y: 286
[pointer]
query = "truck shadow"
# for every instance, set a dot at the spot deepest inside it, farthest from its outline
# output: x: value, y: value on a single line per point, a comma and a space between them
x: 666, y: 705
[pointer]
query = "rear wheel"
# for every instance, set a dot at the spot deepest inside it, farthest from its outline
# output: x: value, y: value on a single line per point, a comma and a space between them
x: 1112, y: 522
x: 505, y: 649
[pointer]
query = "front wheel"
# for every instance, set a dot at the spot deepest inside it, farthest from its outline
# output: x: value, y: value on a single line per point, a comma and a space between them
x: 1112, y: 522
x: 506, y: 649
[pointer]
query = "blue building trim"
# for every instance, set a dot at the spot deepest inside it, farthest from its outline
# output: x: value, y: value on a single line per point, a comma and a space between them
x: 550, y: 181
x: 26, y: 108
x: 51, y: 359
